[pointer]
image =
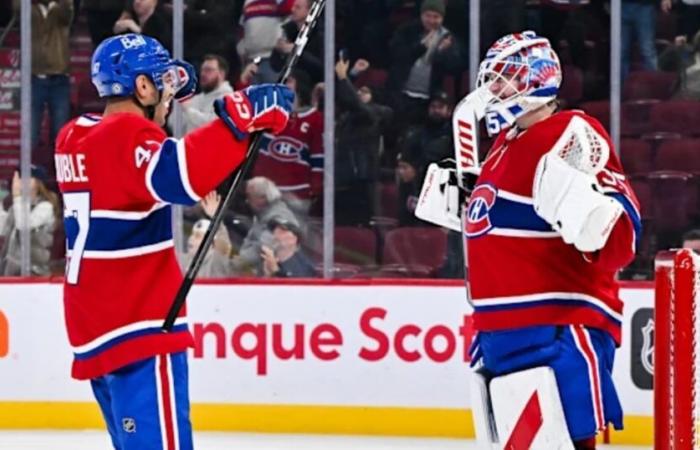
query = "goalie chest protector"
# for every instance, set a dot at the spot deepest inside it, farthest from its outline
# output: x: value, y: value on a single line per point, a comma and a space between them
x: 521, y: 272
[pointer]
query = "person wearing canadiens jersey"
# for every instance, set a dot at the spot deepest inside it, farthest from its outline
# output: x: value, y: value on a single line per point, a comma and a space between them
x: 546, y: 239
x: 551, y: 219
x: 119, y: 173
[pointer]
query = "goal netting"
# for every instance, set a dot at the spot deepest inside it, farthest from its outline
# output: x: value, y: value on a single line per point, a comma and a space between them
x: 676, y: 365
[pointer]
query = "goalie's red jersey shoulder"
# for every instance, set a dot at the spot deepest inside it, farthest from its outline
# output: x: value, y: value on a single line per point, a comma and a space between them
x: 121, y: 270
x: 521, y: 272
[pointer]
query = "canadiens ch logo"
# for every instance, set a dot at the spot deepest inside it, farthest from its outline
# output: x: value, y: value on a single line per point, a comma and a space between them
x: 482, y: 200
x: 285, y: 149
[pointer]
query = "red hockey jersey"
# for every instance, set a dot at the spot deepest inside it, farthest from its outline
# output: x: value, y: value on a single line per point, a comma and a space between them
x: 118, y: 175
x: 521, y: 272
x: 294, y: 158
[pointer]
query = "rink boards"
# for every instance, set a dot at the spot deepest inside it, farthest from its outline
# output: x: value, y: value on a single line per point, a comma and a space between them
x: 351, y: 357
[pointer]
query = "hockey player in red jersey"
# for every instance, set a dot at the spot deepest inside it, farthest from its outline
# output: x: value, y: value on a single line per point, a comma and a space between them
x: 550, y: 221
x: 118, y: 174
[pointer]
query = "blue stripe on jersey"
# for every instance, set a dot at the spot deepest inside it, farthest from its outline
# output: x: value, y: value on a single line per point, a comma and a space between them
x: 546, y: 302
x: 119, y: 234
x: 124, y: 337
x: 166, y: 179
x: 515, y: 215
x: 317, y: 161
x: 632, y: 213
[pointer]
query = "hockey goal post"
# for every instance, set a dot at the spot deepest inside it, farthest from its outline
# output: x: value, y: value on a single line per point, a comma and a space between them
x: 676, y: 336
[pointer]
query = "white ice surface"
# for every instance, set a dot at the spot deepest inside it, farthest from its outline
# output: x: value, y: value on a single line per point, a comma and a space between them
x: 96, y: 440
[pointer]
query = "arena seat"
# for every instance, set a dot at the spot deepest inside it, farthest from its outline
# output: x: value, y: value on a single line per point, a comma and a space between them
x: 679, y: 116
x: 635, y: 116
x: 415, y: 246
x: 636, y: 156
x: 672, y: 195
x: 645, y: 84
x: 642, y: 189
x: 679, y: 154
x: 355, y: 245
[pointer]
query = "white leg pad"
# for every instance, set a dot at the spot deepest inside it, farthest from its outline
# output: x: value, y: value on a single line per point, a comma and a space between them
x: 527, y: 408
x: 484, y: 424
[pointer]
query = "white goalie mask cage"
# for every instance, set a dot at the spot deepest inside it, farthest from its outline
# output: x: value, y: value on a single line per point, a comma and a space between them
x: 523, y: 73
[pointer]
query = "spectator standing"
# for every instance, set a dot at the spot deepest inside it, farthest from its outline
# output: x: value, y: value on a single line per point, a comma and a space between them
x: 43, y: 217
x: 293, y: 159
x: 360, y: 126
x: 285, y: 259
x: 265, y: 200
x: 51, y: 22
x: 146, y: 17
x: 423, y: 53
x: 213, y: 84
x: 639, y: 20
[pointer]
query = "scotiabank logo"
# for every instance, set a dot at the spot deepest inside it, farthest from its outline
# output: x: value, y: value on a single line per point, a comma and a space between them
x: 4, y: 335
x: 261, y: 342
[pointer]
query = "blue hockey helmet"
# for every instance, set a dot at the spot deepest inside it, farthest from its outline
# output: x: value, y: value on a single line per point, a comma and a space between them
x: 118, y: 60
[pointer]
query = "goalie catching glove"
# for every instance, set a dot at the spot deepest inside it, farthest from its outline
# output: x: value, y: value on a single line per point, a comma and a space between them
x: 572, y: 202
x: 256, y: 108
x: 441, y: 197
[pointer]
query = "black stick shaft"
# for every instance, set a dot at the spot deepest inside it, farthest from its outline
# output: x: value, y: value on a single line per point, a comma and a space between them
x: 253, y: 147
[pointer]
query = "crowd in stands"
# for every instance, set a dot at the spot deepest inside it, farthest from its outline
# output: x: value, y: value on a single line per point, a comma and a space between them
x: 401, y: 66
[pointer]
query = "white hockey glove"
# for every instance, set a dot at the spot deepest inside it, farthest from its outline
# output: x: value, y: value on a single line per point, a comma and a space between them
x: 571, y: 201
x: 441, y: 198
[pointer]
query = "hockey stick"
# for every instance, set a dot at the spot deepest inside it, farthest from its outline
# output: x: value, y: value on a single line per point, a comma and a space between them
x: 253, y: 147
x: 465, y: 122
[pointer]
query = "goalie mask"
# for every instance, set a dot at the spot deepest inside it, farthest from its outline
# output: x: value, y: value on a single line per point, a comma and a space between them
x: 523, y: 73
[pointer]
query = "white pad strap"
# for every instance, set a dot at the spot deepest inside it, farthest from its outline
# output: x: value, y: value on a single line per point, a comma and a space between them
x: 570, y: 200
x: 526, y: 410
x: 439, y: 200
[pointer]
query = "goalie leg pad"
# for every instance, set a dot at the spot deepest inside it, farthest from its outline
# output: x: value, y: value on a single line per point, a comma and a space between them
x: 527, y: 410
x: 581, y: 359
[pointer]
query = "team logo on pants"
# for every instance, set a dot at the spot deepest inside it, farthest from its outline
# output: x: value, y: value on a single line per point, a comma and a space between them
x: 129, y: 425
x: 482, y: 199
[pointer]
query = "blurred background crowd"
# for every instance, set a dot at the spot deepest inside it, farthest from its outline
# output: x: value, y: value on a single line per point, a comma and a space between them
x: 399, y: 68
